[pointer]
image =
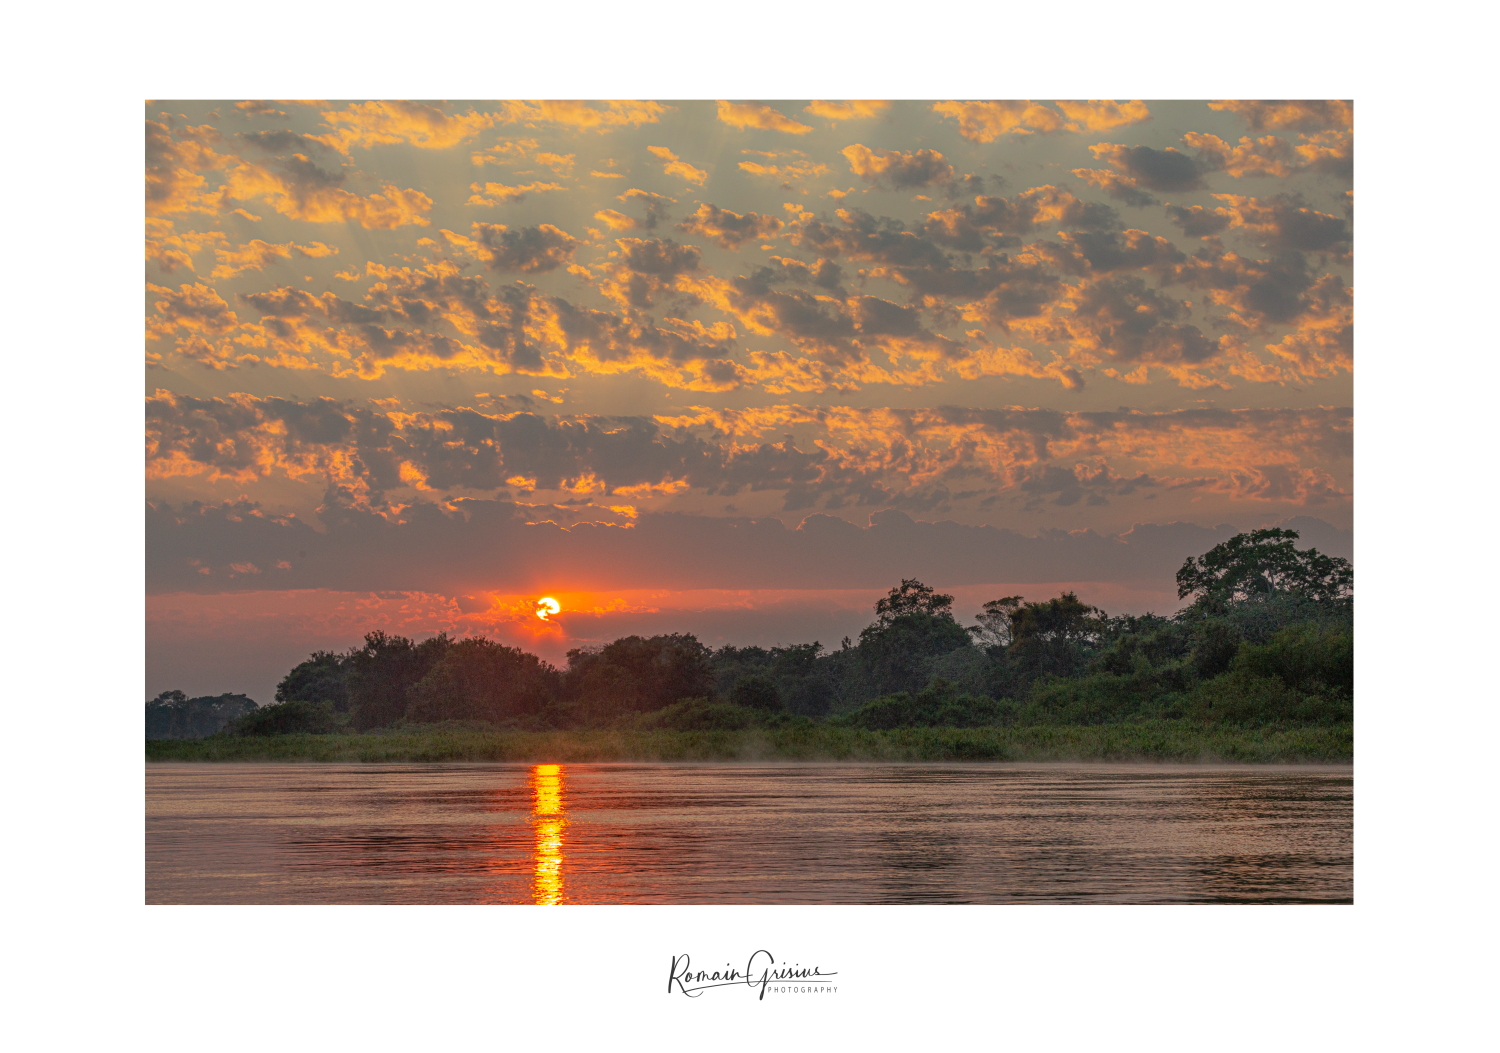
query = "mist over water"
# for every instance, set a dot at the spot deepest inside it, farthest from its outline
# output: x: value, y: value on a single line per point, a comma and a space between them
x: 815, y: 833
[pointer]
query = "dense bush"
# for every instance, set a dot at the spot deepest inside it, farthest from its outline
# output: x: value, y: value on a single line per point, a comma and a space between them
x: 479, y: 680
x: 937, y: 705
x: 172, y: 715
x: 288, y: 718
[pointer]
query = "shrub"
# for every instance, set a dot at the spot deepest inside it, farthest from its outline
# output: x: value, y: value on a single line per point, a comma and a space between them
x: 756, y: 692
x: 289, y: 718
x: 938, y: 705
x: 1241, y: 697
x: 1304, y: 658
x: 699, y: 714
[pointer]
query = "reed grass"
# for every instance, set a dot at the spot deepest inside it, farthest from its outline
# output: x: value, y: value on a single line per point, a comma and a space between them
x: 1163, y: 740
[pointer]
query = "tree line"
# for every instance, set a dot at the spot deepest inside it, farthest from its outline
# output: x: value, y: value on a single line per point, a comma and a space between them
x: 1266, y: 636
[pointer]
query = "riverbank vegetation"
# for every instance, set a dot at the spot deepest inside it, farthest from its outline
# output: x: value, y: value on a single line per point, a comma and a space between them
x: 1257, y: 666
x: 1170, y: 740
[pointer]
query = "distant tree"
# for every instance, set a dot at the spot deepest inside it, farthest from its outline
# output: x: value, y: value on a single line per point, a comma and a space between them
x: 1260, y: 564
x: 994, y: 622
x: 172, y: 715
x: 913, y: 624
x: 912, y: 597
x: 383, y: 673
x: 479, y: 680
x: 756, y: 692
x: 324, y: 677
x: 637, y: 674
x: 1053, y: 637
x: 1066, y: 619
x: 290, y: 718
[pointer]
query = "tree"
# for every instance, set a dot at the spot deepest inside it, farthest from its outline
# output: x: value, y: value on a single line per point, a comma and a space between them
x: 994, y: 628
x: 383, y: 672
x: 1048, y: 637
x: 479, y: 680
x: 172, y: 715
x: 913, y: 624
x: 324, y: 677
x: 756, y: 692
x: 638, y: 674
x: 1261, y: 564
x: 912, y: 597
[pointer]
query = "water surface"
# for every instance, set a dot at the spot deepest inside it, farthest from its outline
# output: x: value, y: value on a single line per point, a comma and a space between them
x: 811, y: 833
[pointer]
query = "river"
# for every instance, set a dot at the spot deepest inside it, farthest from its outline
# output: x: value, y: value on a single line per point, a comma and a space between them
x: 803, y: 833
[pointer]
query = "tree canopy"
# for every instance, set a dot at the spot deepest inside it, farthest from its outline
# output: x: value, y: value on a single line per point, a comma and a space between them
x: 1262, y: 563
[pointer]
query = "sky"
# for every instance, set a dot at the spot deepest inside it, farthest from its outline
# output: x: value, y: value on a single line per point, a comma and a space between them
x: 725, y: 367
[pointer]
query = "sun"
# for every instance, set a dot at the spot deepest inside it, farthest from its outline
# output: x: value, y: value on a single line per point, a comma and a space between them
x: 546, y: 607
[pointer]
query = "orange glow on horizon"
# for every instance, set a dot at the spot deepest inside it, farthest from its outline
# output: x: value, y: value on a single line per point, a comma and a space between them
x: 547, y: 814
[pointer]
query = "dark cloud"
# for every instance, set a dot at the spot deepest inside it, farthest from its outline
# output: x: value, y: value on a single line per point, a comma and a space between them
x: 1199, y: 222
x: 898, y: 169
x: 530, y: 250
x: 1286, y: 223
x: 653, y: 206
x: 730, y: 229
x: 1103, y: 251
x: 488, y: 545
x: 1162, y: 170
x: 281, y: 141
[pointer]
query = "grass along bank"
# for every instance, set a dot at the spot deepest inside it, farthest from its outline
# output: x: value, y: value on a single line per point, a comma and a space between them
x: 1163, y: 740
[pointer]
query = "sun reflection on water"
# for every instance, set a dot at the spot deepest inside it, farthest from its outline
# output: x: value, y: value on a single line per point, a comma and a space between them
x: 549, y: 819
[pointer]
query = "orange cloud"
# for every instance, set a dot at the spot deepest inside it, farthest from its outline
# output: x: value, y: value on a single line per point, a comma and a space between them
x: 898, y: 169
x: 1097, y: 115
x: 257, y: 255
x: 730, y: 229
x: 169, y: 249
x: 678, y: 167
x: 849, y: 110
x: 760, y: 116
x: 1266, y: 156
x: 602, y: 116
x: 984, y: 122
x: 1302, y: 114
x: 368, y: 124
x: 499, y: 193
x: 317, y: 202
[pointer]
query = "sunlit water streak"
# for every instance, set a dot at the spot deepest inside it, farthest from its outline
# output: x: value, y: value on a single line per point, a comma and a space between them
x: 547, y: 814
x: 817, y: 833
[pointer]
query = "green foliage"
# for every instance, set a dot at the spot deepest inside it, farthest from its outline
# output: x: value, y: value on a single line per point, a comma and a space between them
x: 636, y: 674
x: 1305, y: 658
x: 912, y: 597
x: 324, y: 677
x: 1241, y: 697
x: 1055, y: 637
x: 479, y: 680
x: 1263, y: 562
x: 1104, y: 698
x: 1215, y: 644
x: 756, y: 692
x: 383, y: 673
x: 1158, y: 740
x: 172, y: 715
x: 803, y: 678
x: 938, y: 705
x: 291, y: 718
x: 994, y: 628
x: 699, y: 714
